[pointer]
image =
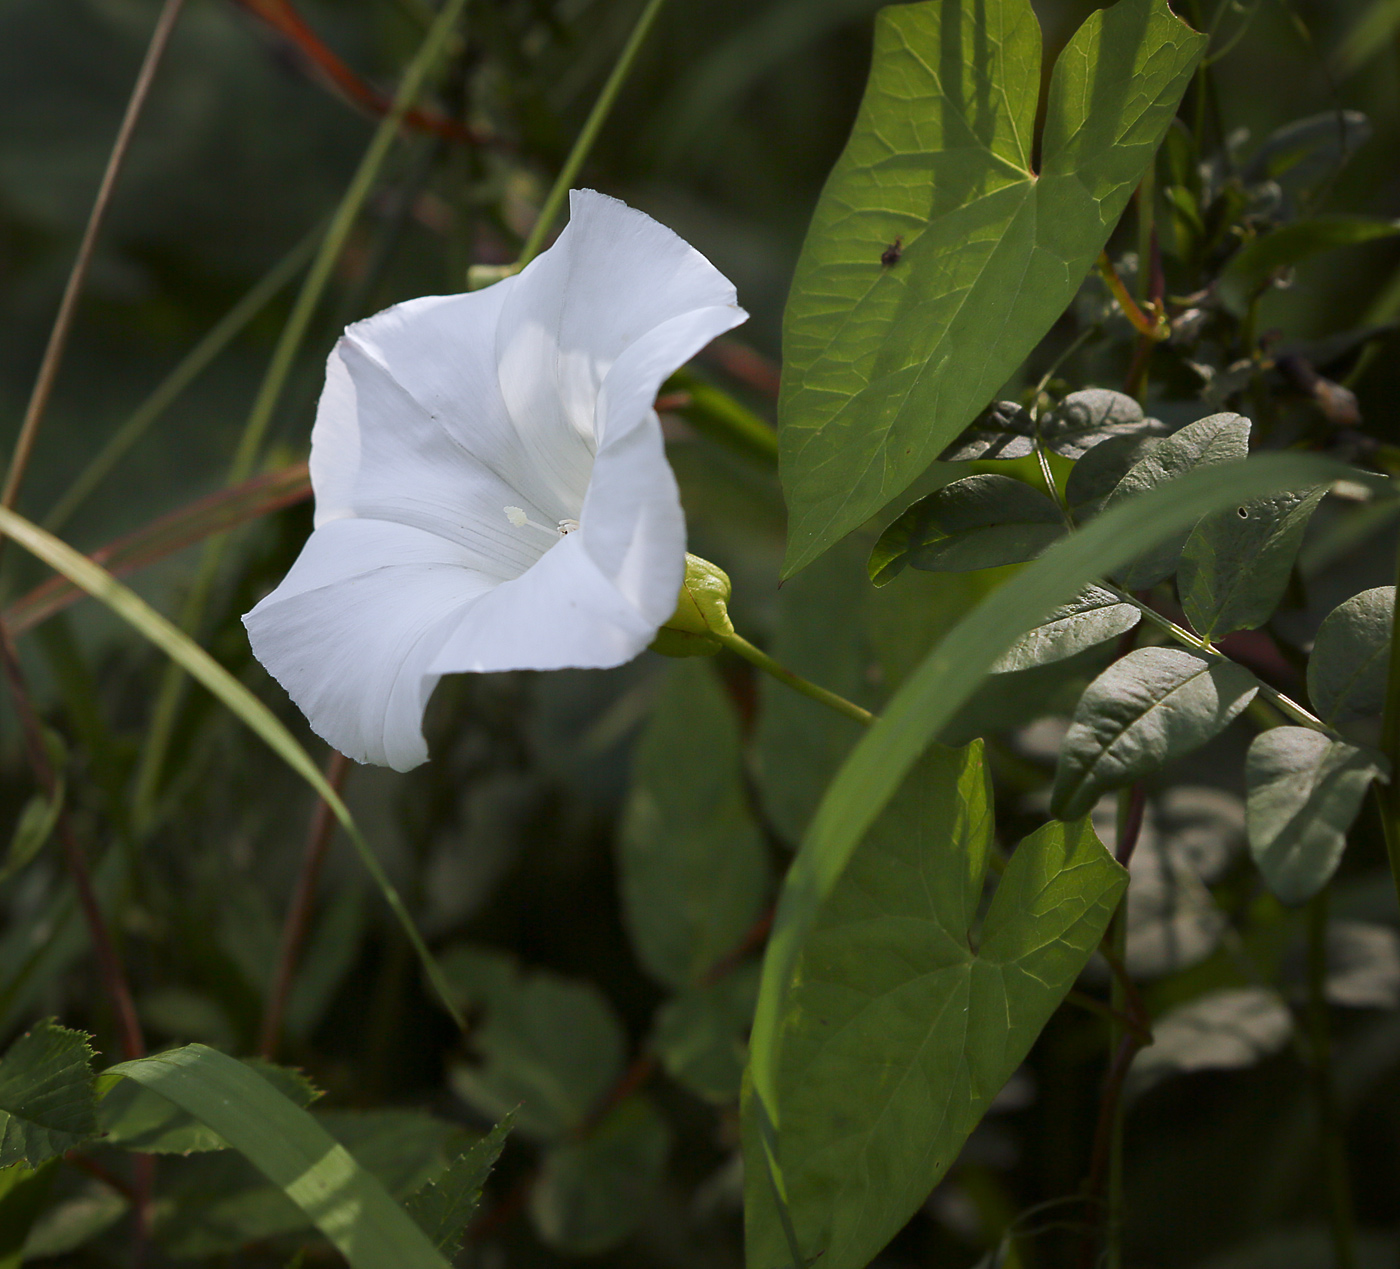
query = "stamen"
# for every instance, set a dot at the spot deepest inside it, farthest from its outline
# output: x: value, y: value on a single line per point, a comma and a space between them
x: 517, y: 517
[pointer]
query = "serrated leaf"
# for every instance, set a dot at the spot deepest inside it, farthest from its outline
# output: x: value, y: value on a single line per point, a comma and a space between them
x: 47, y: 1100
x: 1153, y: 705
x: 444, y: 1207
x: 1093, y: 616
x: 885, y: 364
x: 1221, y: 1030
x: 699, y: 1036
x: 136, y: 1118
x: 1235, y: 566
x: 550, y: 1048
x: 976, y: 522
x: 1097, y: 474
x: 692, y: 861
x: 1003, y: 430
x: 1251, y: 267
x: 1208, y: 442
x: 1088, y: 418
x: 1351, y: 657
x: 1304, y: 793
x: 905, y: 1019
x: 591, y: 1194
x: 318, y: 1174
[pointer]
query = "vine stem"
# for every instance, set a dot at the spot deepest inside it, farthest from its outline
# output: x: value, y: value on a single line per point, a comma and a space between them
x: 77, y: 276
x: 1340, y: 1213
x: 756, y: 656
x: 549, y: 213
x: 318, y: 839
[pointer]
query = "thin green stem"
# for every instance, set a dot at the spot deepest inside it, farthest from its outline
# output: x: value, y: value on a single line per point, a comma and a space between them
x: 756, y: 656
x: 171, y: 692
x: 554, y: 202
x: 191, y: 366
x: 1286, y: 704
x: 1340, y: 1215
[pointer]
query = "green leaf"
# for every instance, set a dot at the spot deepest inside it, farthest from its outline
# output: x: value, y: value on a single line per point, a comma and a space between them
x: 1235, y: 566
x: 906, y: 1018
x: 293, y: 1151
x: 1090, y: 618
x: 35, y: 826
x: 592, y: 1194
x: 1153, y: 705
x: 1304, y: 793
x: 550, y: 1047
x: 973, y: 523
x: 1097, y: 474
x: 444, y: 1207
x: 693, y: 864
x: 74, y: 1221
x: 1222, y: 1030
x: 885, y: 365
x: 1305, y: 151
x: 47, y: 1101
x: 24, y: 1192
x: 800, y: 743
x: 1088, y: 418
x: 1251, y: 267
x: 952, y: 671
x: 134, y: 1117
x: 1351, y: 657
x: 1003, y: 430
x: 1208, y: 442
x: 700, y: 1035
x: 236, y: 698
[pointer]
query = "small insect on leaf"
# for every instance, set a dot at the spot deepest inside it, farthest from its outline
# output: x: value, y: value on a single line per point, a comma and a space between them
x: 890, y: 255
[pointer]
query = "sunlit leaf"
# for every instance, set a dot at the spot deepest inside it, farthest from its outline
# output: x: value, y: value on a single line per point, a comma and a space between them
x: 1221, y: 1030
x: 885, y: 363
x: 1091, y: 617
x: 1003, y: 430
x: 1088, y: 418
x: 1251, y: 267
x: 905, y: 1023
x: 1350, y: 658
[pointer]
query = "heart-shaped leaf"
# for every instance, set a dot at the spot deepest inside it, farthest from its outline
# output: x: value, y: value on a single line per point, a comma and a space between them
x: 937, y: 256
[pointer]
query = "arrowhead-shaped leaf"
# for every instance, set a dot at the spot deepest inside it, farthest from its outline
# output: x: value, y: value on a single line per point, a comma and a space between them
x: 1153, y: 705
x: 1304, y: 792
x: 886, y: 362
x: 907, y: 1017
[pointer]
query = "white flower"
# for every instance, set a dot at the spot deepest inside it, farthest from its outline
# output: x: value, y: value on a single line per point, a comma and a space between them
x: 492, y: 492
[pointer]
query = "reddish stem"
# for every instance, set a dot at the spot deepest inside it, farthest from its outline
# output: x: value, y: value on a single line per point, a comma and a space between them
x: 318, y: 838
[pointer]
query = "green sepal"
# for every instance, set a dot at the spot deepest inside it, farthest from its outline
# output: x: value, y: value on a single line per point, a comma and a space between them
x: 701, y: 622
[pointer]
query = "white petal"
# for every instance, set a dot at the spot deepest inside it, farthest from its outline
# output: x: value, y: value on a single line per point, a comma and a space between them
x: 440, y: 352
x: 352, y: 629
x: 564, y: 613
x: 613, y: 275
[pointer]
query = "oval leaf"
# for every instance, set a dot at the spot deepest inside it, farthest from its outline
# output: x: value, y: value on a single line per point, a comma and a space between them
x: 1208, y: 442
x: 1304, y: 793
x: 977, y: 522
x: 886, y: 361
x: 1146, y: 709
x: 1351, y: 657
x: 1090, y: 618
x: 1235, y: 566
x: 1084, y: 419
x: 1003, y: 430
